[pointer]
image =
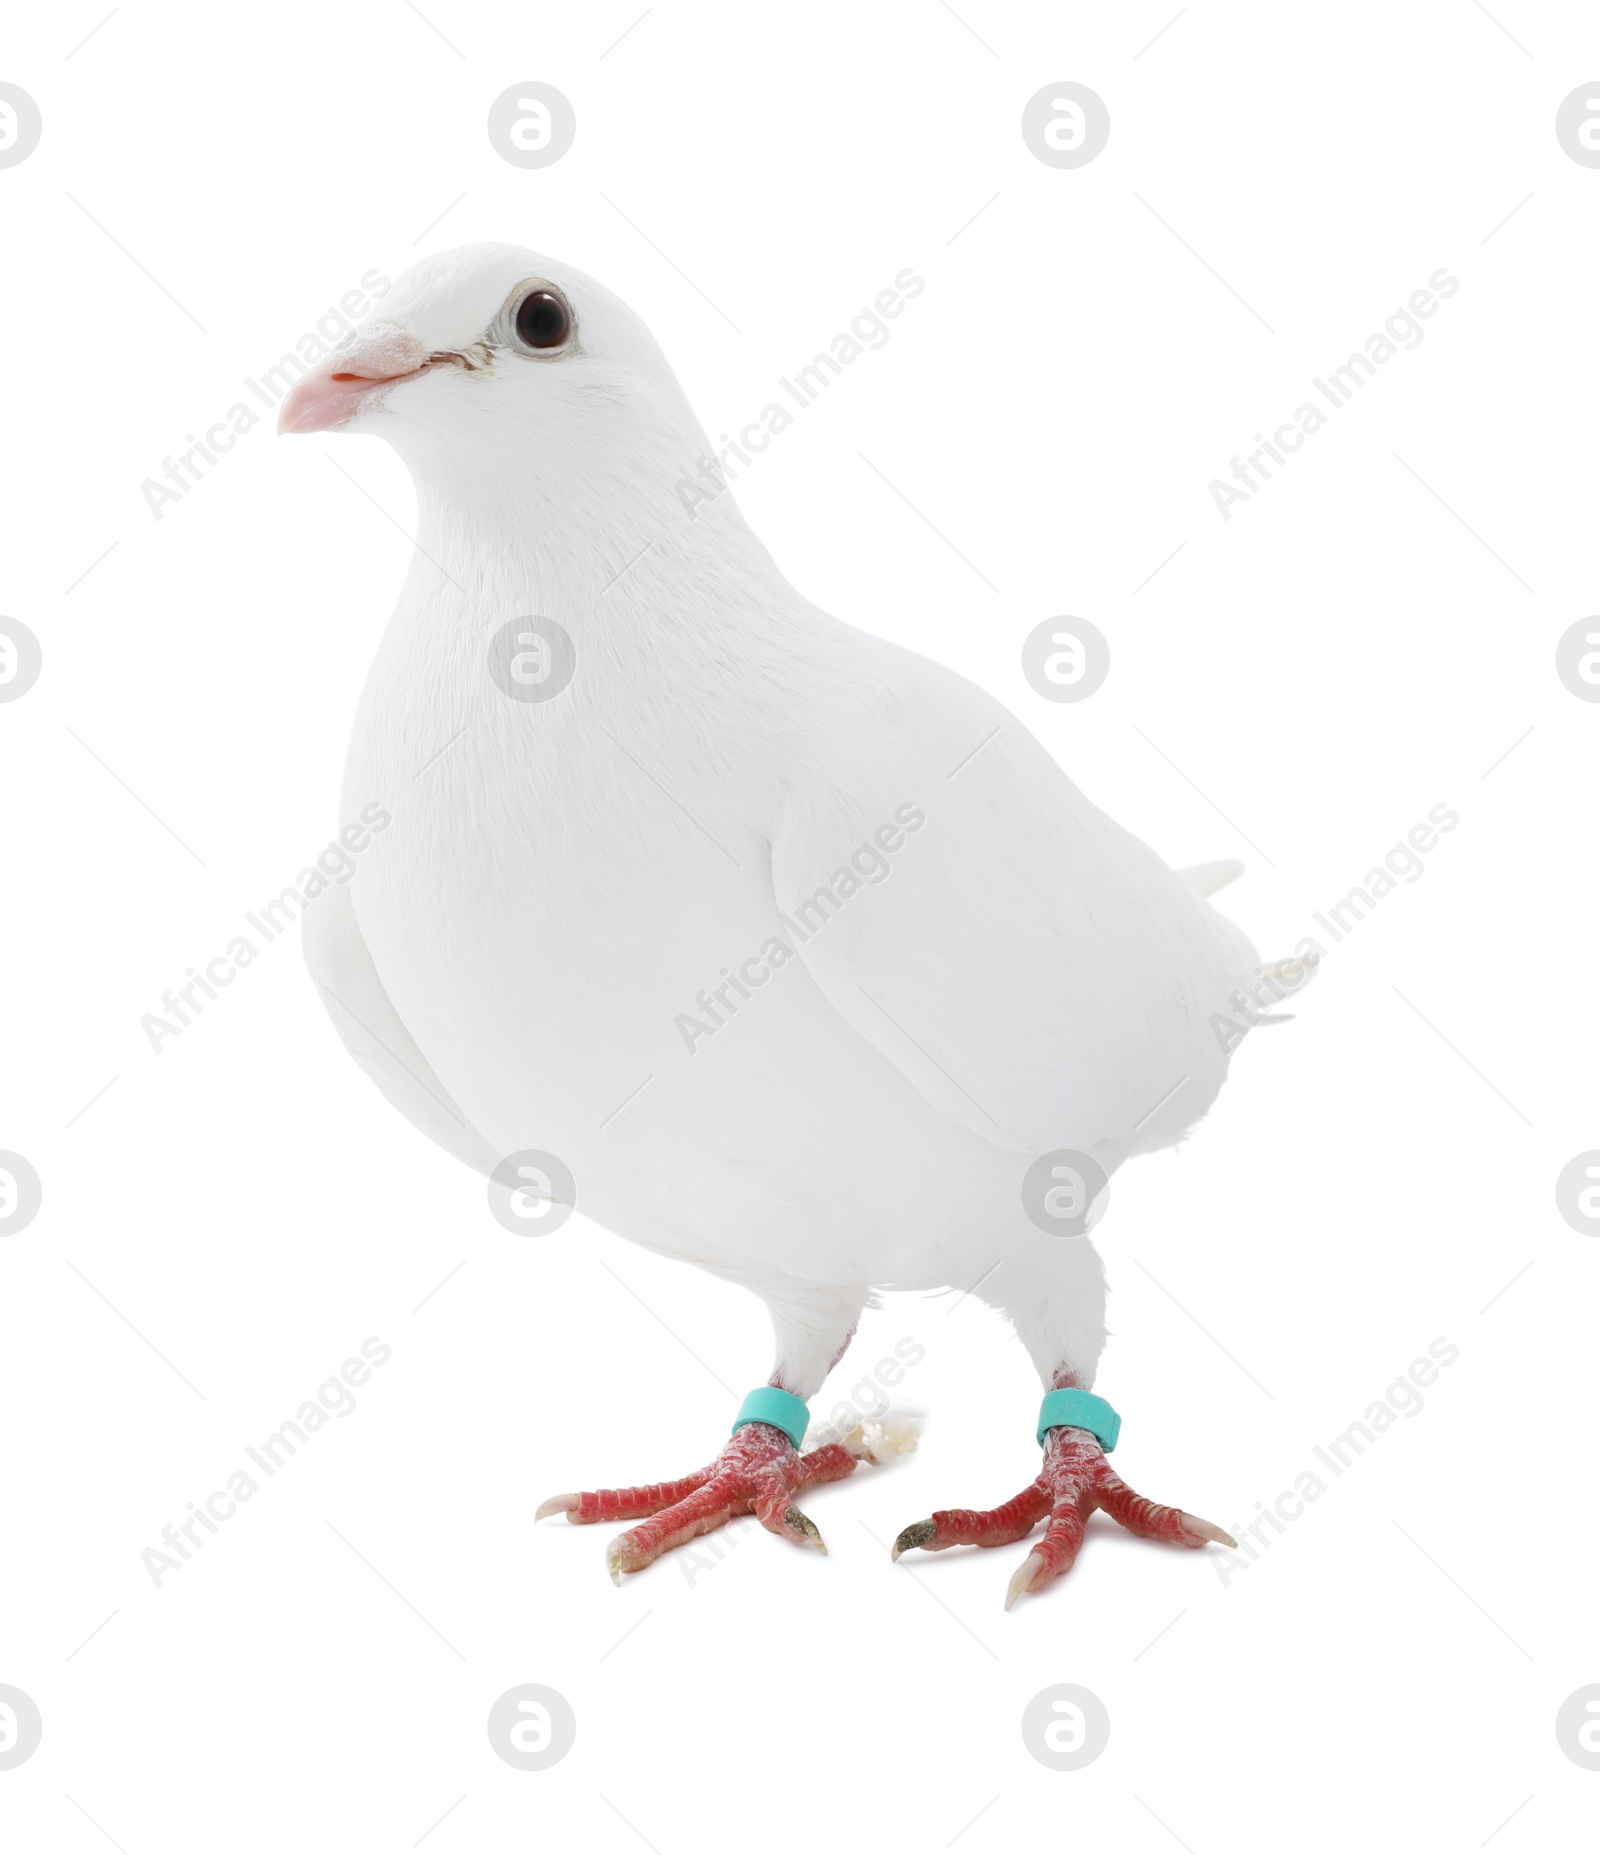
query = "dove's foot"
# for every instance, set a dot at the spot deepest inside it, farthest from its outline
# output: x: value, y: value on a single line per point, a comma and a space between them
x: 759, y: 1472
x: 1075, y: 1480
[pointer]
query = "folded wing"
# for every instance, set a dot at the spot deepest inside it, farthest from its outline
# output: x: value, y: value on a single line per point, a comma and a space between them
x: 1037, y: 972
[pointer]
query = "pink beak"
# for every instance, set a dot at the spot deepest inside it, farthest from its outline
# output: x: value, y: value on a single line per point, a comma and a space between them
x: 353, y: 379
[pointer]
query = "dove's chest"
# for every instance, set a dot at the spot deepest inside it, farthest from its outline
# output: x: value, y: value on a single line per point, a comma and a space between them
x: 564, y: 873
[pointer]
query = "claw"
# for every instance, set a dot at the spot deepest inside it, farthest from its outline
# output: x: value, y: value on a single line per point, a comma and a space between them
x: 917, y: 1534
x: 628, y: 1553
x: 557, y: 1504
x: 804, y: 1524
x: 1022, y: 1579
x: 1206, y: 1530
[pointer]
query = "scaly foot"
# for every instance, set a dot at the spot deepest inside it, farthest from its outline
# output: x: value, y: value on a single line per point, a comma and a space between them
x: 759, y: 1471
x: 1075, y: 1480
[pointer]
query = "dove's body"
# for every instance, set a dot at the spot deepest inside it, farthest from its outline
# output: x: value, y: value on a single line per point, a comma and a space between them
x: 590, y: 928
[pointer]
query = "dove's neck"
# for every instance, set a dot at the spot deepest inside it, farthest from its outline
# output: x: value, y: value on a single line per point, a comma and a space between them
x: 617, y: 543
x: 685, y: 632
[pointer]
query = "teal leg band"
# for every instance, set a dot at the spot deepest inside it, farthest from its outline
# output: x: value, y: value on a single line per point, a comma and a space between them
x: 1083, y: 1411
x: 782, y: 1409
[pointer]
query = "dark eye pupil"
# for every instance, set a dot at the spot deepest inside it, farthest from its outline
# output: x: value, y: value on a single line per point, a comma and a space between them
x: 542, y: 320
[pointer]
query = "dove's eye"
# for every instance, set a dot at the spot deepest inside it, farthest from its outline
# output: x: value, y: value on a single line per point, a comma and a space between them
x: 543, y: 320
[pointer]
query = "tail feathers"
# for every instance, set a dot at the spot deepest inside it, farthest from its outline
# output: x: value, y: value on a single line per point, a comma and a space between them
x: 1292, y: 975
x: 1208, y: 878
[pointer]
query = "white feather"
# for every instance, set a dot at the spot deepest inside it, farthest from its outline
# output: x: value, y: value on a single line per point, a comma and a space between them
x: 1208, y: 878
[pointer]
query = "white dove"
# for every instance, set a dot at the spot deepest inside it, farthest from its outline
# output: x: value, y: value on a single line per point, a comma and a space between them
x: 795, y: 950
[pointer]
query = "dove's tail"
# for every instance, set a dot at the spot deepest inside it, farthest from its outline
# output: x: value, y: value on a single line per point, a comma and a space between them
x: 1285, y: 977
x: 1208, y: 878
x: 1281, y: 976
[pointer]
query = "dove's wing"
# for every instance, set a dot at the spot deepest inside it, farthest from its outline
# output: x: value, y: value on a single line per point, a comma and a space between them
x: 1037, y: 972
x: 353, y: 996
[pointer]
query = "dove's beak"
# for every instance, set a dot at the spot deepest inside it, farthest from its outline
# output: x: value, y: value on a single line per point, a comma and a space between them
x: 349, y: 381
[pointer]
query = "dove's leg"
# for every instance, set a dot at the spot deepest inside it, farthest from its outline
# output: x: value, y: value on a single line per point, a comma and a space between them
x: 1075, y: 1480
x: 758, y: 1470
x: 1056, y: 1300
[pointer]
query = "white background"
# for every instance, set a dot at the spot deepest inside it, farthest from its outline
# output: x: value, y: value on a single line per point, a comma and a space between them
x: 1341, y: 655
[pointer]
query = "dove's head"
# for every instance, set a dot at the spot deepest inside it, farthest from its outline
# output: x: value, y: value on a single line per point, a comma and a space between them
x: 491, y: 361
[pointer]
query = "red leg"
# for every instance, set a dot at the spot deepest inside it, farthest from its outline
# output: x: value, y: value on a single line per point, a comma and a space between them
x: 961, y: 1526
x: 759, y: 1471
x: 830, y: 1463
x: 709, y: 1507
x: 1149, y: 1519
x: 1075, y: 1480
x: 621, y: 1503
